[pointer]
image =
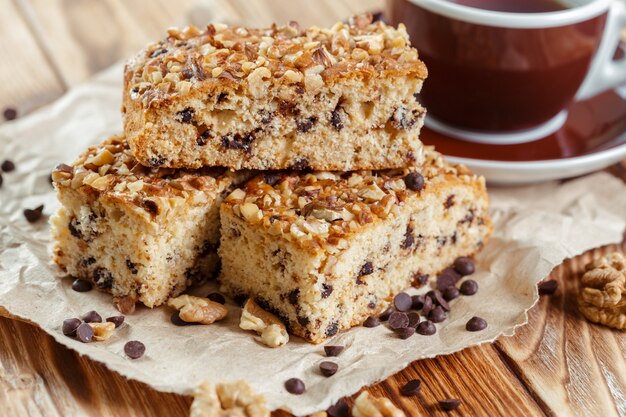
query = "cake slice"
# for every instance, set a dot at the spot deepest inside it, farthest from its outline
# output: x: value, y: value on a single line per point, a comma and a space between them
x: 143, y: 234
x: 281, y: 97
x: 324, y: 251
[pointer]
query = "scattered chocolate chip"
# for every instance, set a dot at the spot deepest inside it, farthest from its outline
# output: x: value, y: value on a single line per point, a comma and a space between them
x: 366, y: 269
x: 328, y: 368
x: 9, y: 113
x: 239, y: 141
x: 327, y: 290
x: 414, y: 319
x: 117, y: 320
x: 7, y: 165
x: 464, y: 265
x: 398, y: 320
x: 402, y: 302
x: 150, y: 206
x: 437, y: 315
x: 177, y: 321
x: 70, y: 326
x: 32, y: 215
x: 134, y: 349
x: 84, y: 333
x: 384, y: 316
x: 428, y: 305
x: 340, y: 409
x: 446, y: 279
x: 203, y: 136
x: 469, y: 287
x: 449, y: 202
x: 131, y: 267
x: 412, y: 387
x: 185, y: 116
x: 300, y: 165
x: 405, y: 332
x: 414, y: 181
x: 418, y: 302
x: 426, y: 328
x: 371, y: 322
x: 216, y: 297
x: 450, y: 404
x: 476, y: 324
x: 295, y: 386
x: 304, y: 125
x: 438, y: 299
x: 548, y: 287
x: 335, y: 120
x: 332, y: 329
x: 451, y: 293
x: 333, y: 350
x: 81, y: 285
x: 92, y: 317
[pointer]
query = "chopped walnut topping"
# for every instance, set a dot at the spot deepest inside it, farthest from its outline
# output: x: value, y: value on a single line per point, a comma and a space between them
x: 272, y: 330
x: 227, y: 400
x: 198, y: 310
x: 602, y: 298
x: 102, y: 331
x: 367, y: 405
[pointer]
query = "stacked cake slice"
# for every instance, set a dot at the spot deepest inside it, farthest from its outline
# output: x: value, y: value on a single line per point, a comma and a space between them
x: 337, y: 209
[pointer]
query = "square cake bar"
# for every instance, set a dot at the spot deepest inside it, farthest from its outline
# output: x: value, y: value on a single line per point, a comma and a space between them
x: 324, y: 251
x: 143, y: 234
x: 342, y: 98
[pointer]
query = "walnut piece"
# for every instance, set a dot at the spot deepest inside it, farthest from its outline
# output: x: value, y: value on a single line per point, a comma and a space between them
x: 102, y: 331
x: 233, y: 399
x: 198, y: 310
x: 368, y: 406
x: 602, y: 298
x: 272, y: 330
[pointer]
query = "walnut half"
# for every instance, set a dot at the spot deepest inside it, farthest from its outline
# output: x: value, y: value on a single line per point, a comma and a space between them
x: 366, y: 405
x: 198, y: 310
x: 272, y: 330
x: 227, y: 400
x: 602, y: 298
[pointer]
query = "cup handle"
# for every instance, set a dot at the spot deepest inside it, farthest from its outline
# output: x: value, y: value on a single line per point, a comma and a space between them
x: 606, y: 73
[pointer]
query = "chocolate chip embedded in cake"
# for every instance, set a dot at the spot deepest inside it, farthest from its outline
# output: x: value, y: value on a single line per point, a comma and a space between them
x: 143, y: 234
x: 342, y: 98
x: 287, y: 242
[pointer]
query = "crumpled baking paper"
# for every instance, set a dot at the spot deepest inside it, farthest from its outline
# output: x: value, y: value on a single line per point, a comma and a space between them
x: 536, y: 227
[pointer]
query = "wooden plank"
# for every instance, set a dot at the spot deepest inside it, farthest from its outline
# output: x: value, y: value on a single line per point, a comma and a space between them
x: 26, y: 77
x: 567, y: 363
x: 86, y: 36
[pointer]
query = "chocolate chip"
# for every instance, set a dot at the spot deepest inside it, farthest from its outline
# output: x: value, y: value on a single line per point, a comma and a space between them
x: 414, y: 319
x: 366, y: 269
x: 328, y: 368
x: 437, y: 315
x: 384, y: 316
x: 134, y: 349
x: 420, y: 280
x: 438, y: 299
x: 449, y: 202
x: 428, y: 305
x: 81, y: 285
x: 70, y: 326
x: 185, y: 116
x: 402, y: 302
x: 32, y: 215
x: 239, y: 141
x: 405, y: 332
x: 117, y: 320
x: 333, y: 350
x: 203, y: 136
x: 7, y: 165
x: 476, y: 324
x: 332, y: 329
x: 156, y: 161
x: 177, y: 321
x: 414, y: 181
x: 216, y: 298
x: 92, y: 317
x: 295, y: 386
x: 451, y: 293
x: 547, y: 287
x: 131, y: 267
x: 412, y: 387
x: 450, y: 404
x: 335, y: 120
x: 84, y: 333
x: 9, y: 113
x: 464, y: 265
x: 371, y: 322
x: 150, y: 206
x: 469, y: 287
x: 340, y: 409
x: 426, y: 328
x: 327, y: 290
x: 418, y: 302
x: 103, y: 278
x: 446, y: 279
x: 398, y: 320
x: 304, y: 125
x: 300, y: 165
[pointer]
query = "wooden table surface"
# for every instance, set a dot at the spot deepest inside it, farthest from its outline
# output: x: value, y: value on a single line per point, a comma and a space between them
x: 556, y: 365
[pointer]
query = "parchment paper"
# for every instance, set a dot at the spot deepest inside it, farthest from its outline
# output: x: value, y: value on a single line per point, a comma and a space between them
x: 536, y: 227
